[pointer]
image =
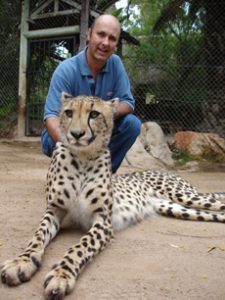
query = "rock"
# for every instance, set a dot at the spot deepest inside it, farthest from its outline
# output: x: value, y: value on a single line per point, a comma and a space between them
x: 190, y: 166
x: 153, y: 139
x: 199, y: 144
x: 138, y: 158
x: 150, y: 151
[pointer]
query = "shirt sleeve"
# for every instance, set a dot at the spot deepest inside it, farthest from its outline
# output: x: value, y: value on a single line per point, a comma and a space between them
x: 122, y: 84
x: 58, y: 84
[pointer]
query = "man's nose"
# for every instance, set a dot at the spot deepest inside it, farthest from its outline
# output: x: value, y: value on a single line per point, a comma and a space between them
x: 105, y: 40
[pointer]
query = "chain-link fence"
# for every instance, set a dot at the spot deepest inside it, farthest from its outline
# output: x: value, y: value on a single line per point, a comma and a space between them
x: 9, y: 65
x: 177, y: 76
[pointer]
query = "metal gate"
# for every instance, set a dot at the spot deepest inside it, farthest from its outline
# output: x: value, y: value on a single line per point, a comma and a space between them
x: 44, y: 56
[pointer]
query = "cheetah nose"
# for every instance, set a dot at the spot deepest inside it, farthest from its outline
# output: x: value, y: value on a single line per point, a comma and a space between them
x: 77, y: 134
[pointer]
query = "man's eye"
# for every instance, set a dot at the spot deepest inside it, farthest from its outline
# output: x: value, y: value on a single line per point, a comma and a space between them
x: 69, y: 113
x: 94, y: 114
x: 101, y: 34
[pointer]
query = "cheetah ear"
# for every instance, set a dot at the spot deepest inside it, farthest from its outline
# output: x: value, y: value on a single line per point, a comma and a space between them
x: 114, y: 102
x: 65, y: 97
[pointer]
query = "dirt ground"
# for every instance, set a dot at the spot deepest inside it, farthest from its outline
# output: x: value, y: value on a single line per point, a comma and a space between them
x: 161, y: 258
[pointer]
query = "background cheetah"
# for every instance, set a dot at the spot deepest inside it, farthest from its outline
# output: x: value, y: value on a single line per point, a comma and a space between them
x: 85, y: 166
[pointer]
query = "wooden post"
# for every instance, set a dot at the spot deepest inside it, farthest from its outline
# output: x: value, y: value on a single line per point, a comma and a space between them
x: 23, y: 70
x: 84, y: 20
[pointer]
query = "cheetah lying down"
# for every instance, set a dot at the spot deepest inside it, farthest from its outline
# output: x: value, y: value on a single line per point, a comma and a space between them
x: 80, y: 185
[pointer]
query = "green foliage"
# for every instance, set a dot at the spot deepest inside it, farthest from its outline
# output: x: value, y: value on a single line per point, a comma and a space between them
x: 169, y: 64
x: 182, y: 157
x: 209, y: 156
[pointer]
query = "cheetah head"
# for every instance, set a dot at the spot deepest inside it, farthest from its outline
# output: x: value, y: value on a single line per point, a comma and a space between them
x: 86, y: 122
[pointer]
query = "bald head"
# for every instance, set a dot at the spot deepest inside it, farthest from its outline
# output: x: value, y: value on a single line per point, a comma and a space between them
x: 103, y: 38
x: 107, y: 19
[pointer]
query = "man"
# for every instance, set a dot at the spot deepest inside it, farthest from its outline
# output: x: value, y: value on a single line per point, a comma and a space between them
x: 95, y: 71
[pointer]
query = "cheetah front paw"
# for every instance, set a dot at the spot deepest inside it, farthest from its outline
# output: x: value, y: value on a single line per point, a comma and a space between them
x: 16, y: 271
x: 59, y: 282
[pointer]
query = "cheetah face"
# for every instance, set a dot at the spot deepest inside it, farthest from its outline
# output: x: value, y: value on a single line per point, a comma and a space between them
x: 86, y: 122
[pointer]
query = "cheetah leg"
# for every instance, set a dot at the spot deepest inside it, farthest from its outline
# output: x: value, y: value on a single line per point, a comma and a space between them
x: 16, y: 271
x: 60, y: 281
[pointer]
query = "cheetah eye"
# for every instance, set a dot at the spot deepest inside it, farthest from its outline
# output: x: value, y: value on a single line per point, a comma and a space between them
x: 94, y: 114
x: 69, y: 113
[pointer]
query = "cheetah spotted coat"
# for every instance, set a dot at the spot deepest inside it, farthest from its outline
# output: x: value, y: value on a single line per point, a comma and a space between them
x: 81, y: 188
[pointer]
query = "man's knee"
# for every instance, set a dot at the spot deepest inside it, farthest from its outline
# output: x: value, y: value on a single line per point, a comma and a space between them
x: 131, y: 124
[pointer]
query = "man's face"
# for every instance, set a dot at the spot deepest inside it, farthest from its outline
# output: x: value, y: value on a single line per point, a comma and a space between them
x: 103, y: 38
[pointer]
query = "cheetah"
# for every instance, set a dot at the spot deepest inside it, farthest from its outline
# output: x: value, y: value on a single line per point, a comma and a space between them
x: 80, y: 187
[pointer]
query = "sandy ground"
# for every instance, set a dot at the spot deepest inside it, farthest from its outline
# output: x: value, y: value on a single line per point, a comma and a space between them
x: 161, y: 258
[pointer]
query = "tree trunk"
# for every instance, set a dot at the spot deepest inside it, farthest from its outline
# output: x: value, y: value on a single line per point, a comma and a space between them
x: 84, y: 23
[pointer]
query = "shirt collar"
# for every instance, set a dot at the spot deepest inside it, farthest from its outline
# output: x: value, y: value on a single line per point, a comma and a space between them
x: 84, y: 68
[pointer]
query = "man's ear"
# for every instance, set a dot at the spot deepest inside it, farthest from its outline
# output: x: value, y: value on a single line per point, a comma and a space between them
x: 89, y: 34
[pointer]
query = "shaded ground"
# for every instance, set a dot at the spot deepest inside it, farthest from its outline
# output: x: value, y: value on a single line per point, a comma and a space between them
x: 161, y: 258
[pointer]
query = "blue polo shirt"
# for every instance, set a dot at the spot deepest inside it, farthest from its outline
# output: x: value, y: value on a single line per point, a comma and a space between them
x: 74, y: 77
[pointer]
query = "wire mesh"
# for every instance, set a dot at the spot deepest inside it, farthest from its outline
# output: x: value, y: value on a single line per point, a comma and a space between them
x: 177, y: 82
x: 9, y: 65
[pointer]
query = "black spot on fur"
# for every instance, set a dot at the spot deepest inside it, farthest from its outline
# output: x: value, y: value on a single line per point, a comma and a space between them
x: 178, y: 195
x: 60, y: 201
x: 89, y: 192
x: 75, y: 164
x: 47, y: 219
x: 200, y: 218
x: 92, y: 242
x: 66, y: 193
x: 185, y: 215
x: 67, y: 268
x: 169, y: 212
x: 80, y: 253
x: 22, y: 276
x: 98, y: 226
x: 85, y: 244
x: 98, y: 236
x: 106, y: 202
x: 47, y: 281
x: 70, y: 260
x: 98, y: 210
x: 54, y: 205
x: 36, y: 262
x: 212, y: 200
x: 94, y: 200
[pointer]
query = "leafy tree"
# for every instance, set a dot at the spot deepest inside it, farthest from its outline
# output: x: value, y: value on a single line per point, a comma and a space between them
x: 207, y: 17
x: 184, y: 40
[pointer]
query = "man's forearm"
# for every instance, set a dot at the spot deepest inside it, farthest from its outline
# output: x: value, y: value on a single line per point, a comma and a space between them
x: 122, y: 109
x: 52, y: 125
